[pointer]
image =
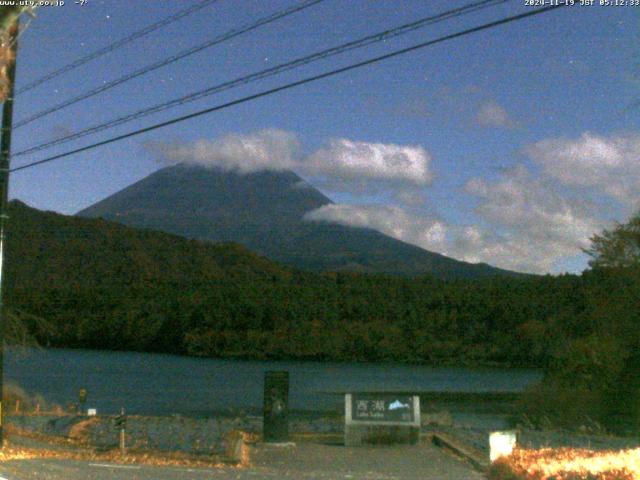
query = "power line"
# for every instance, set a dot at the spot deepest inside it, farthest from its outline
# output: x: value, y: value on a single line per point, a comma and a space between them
x: 167, y: 61
x: 118, y: 44
x: 288, y: 86
x: 262, y: 74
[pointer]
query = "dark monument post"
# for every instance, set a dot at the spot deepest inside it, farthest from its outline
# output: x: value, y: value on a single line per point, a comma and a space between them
x: 82, y: 401
x: 276, y: 407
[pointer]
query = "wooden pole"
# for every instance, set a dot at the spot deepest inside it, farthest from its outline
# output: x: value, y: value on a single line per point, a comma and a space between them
x: 5, y: 158
x: 122, y: 434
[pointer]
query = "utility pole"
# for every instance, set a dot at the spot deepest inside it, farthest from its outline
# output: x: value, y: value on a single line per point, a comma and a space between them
x: 5, y: 159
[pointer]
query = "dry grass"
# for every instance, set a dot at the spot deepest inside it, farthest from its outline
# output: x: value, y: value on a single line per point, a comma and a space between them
x: 237, y: 446
x: 567, y: 464
x: 16, y: 400
x: 81, y: 430
x: 75, y: 449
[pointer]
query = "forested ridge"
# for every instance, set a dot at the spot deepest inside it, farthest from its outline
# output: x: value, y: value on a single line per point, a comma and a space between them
x: 103, y: 285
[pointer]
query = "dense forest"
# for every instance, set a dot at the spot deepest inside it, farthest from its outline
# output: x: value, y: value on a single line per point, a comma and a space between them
x: 96, y: 284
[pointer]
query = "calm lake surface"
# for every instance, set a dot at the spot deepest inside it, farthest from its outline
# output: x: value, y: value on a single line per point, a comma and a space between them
x: 155, y: 384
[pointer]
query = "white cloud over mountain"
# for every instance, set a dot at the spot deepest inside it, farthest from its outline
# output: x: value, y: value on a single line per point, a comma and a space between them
x: 341, y: 162
x: 394, y: 221
x: 351, y: 160
x: 527, y: 224
x: 526, y: 220
x: 531, y: 226
x: 270, y: 149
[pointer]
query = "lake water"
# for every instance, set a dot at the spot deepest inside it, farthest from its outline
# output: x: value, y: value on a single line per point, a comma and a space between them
x: 155, y: 384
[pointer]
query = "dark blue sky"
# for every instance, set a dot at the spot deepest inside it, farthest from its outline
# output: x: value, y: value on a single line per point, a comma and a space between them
x: 525, y: 138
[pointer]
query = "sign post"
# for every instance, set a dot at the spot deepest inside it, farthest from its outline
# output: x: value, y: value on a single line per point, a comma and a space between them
x: 121, y: 424
x: 276, y: 407
x: 381, y: 418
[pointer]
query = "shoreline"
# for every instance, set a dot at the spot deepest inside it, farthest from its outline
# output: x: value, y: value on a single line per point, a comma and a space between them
x: 208, y: 435
x: 453, y: 364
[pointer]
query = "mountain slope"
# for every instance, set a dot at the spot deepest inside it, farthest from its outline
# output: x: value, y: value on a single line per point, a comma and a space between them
x: 49, y: 250
x: 264, y: 211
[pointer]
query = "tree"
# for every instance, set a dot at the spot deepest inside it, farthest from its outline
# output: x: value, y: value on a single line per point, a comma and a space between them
x: 594, y: 374
x: 619, y: 247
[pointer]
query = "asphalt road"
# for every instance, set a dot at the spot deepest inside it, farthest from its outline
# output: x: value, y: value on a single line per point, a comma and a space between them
x: 71, y: 470
x: 302, y: 461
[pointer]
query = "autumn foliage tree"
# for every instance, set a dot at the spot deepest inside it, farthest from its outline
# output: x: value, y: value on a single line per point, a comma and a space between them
x: 618, y: 247
x: 593, y: 376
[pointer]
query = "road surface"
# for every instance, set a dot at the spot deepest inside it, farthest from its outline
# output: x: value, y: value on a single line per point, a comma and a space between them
x: 308, y: 461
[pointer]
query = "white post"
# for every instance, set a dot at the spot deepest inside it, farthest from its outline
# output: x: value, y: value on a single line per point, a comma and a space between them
x: 501, y: 444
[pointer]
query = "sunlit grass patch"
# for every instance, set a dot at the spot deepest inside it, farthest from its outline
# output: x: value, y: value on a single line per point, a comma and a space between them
x: 567, y: 464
